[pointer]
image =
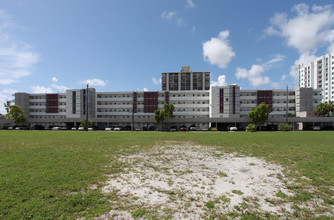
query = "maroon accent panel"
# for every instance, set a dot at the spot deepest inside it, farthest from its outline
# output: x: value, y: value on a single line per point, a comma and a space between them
x: 233, y: 98
x: 74, y: 102
x: 51, y: 103
x: 221, y: 100
x: 135, y: 107
x: 150, y: 102
x: 167, y: 97
x: 265, y: 96
x: 84, y: 101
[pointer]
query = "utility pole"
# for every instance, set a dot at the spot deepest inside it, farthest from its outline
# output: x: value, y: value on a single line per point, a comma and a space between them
x: 287, y: 104
x: 87, y: 108
x: 133, y: 118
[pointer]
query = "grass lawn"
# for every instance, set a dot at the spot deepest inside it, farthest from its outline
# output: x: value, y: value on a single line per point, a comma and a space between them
x: 59, y: 174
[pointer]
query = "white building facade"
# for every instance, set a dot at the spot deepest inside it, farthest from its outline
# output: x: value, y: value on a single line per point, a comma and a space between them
x: 200, y: 108
x: 319, y: 74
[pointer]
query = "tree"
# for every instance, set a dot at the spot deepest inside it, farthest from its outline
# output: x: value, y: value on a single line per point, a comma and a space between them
x: 260, y: 114
x: 86, y: 124
x: 323, y: 109
x: 166, y: 112
x: 158, y: 117
x: 16, y: 114
x: 7, y: 105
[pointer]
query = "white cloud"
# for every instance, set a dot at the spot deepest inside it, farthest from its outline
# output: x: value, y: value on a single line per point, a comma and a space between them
x: 17, y: 58
x: 275, y: 85
x: 60, y: 88
x: 190, y: 4
x: 181, y: 22
x: 221, y: 81
x: 307, y: 30
x: 283, y: 77
x: 193, y: 29
x: 254, y: 75
x: 156, y: 81
x: 217, y: 51
x: 145, y: 89
x: 168, y: 15
x: 41, y: 89
x: 54, y: 79
x: 8, y: 91
x: 276, y: 59
x: 94, y: 82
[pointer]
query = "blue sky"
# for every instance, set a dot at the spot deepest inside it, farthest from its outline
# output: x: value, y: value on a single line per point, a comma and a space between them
x: 124, y: 45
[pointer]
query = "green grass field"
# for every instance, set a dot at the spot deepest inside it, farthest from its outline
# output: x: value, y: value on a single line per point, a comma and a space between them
x: 49, y: 174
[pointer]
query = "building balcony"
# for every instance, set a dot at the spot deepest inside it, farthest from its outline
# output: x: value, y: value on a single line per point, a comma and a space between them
x: 112, y: 99
x: 248, y: 98
x: 249, y: 105
x: 189, y: 98
x: 283, y: 105
x: 37, y: 100
x: 114, y: 106
x: 192, y: 113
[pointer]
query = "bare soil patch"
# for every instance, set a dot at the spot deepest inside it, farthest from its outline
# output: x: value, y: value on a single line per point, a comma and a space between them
x: 192, y: 182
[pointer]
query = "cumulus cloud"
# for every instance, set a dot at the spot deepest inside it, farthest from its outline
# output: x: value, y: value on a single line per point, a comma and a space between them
x: 17, y: 58
x: 190, y: 4
x: 221, y: 81
x: 168, y: 15
x: 217, y: 51
x: 41, y: 89
x: 275, y: 85
x: 307, y: 29
x: 94, y: 82
x: 145, y: 89
x: 60, y: 88
x: 254, y: 75
x: 156, y: 81
x: 54, y: 79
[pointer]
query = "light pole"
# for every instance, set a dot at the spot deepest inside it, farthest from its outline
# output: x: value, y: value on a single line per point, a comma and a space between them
x: 87, y: 108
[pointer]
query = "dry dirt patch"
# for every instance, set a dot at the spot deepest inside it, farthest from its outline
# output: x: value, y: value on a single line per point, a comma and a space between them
x: 191, y: 181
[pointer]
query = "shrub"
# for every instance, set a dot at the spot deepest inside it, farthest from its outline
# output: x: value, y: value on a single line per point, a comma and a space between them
x: 251, y: 128
x: 284, y: 127
x: 213, y: 129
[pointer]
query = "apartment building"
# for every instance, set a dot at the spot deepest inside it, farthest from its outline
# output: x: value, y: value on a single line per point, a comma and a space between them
x: 185, y: 80
x: 319, y: 74
x: 200, y: 108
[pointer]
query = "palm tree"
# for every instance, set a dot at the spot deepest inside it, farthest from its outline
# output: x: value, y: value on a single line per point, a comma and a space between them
x: 7, y: 105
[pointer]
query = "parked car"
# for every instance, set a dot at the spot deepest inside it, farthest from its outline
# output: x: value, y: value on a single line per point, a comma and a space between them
x: 152, y: 128
x: 117, y: 128
x: 55, y: 128
x: 37, y: 127
x: 10, y: 128
x: 81, y: 128
x: 90, y: 129
x: 107, y: 129
x: 192, y: 128
x: 316, y: 128
x: 183, y: 128
x: 172, y: 129
x: 74, y: 129
x: 233, y: 129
